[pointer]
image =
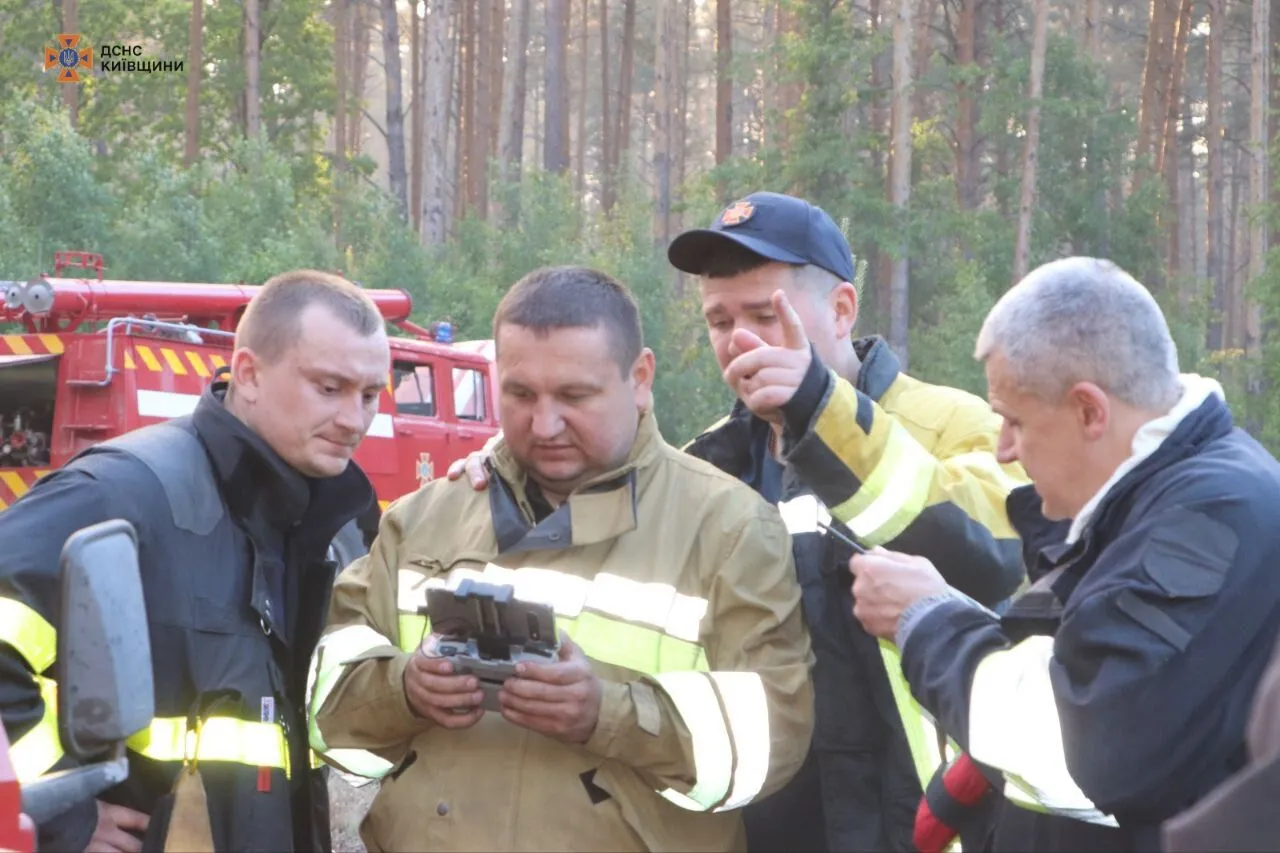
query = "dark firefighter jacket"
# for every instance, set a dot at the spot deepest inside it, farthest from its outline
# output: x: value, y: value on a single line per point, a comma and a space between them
x: 899, y: 463
x: 232, y: 548
x: 1114, y: 692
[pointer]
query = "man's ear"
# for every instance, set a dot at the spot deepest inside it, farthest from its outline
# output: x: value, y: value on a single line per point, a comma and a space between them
x: 844, y: 301
x: 1092, y: 409
x: 245, y: 375
x: 642, y: 374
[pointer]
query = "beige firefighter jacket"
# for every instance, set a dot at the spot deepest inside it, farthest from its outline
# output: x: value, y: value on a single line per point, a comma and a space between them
x: 677, y: 582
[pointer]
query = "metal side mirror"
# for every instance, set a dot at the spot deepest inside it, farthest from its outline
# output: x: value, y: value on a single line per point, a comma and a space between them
x: 105, y: 690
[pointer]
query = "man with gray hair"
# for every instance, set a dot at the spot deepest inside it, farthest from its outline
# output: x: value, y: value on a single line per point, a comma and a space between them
x: 1114, y: 692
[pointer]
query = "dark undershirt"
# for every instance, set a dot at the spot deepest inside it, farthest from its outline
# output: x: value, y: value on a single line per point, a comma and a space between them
x: 538, y: 502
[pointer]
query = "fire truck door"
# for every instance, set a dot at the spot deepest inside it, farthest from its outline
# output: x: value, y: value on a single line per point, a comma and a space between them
x: 425, y: 441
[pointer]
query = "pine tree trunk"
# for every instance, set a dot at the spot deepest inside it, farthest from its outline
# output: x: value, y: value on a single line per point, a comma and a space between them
x: 724, y: 81
x: 195, y: 67
x: 1168, y: 159
x: 359, y: 68
x: 967, y: 164
x: 1153, y: 108
x: 901, y: 177
x: 482, y: 109
x: 625, y: 84
x: 662, y: 124
x: 1259, y: 191
x: 580, y: 146
x: 439, y: 95
x: 252, y: 98
x: 396, y: 177
x: 556, y: 117
x: 416, y: 108
x: 341, y: 74
x: 511, y: 124
x: 1031, y: 150
x: 606, y: 117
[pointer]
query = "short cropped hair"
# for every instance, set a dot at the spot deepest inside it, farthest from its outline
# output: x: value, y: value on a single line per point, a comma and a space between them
x: 272, y: 322
x: 1084, y: 320
x: 571, y: 297
x: 732, y: 259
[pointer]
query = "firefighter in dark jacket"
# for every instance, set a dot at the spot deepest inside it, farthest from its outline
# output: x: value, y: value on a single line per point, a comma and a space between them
x: 1114, y: 692
x: 235, y: 505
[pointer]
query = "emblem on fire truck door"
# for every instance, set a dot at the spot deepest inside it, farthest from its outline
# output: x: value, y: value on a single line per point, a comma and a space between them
x: 426, y: 470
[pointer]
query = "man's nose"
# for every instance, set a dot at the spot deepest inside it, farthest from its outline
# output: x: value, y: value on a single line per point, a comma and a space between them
x: 547, y: 422
x: 351, y: 414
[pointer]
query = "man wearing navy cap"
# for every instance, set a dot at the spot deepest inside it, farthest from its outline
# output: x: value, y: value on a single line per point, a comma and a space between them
x: 830, y: 429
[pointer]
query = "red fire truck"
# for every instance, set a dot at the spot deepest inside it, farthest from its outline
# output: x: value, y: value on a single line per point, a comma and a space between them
x: 100, y: 357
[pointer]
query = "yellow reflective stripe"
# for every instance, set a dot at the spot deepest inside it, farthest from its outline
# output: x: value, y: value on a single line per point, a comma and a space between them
x: 747, y: 709
x: 412, y: 629
x: 603, y: 639
x: 41, y: 747
x: 632, y: 647
x: 922, y: 738
x: 895, y: 492
x: 221, y: 739
x: 1016, y: 792
x: 1014, y: 727
x: 327, y: 665
x: 29, y: 633
x: 696, y: 701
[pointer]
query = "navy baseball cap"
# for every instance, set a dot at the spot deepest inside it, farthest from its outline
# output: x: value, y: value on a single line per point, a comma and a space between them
x: 779, y: 227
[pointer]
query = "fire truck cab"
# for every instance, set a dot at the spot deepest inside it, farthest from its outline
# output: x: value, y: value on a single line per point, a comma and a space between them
x: 98, y: 358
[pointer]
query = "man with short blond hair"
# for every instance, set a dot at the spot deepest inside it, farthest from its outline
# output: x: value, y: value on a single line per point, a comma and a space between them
x: 235, y: 506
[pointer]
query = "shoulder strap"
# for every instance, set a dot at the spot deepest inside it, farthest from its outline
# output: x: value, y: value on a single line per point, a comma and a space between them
x: 178, y: 459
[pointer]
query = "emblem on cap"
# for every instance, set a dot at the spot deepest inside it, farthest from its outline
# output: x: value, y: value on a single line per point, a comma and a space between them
x: 737, y: 213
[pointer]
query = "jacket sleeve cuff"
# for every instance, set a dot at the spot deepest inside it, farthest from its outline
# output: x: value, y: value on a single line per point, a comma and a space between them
x: 918, y: 610
x: 617, y: 717
x: 799, y: 411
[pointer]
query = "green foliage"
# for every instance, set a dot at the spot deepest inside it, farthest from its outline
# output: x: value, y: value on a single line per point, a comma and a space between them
x: 942, y: 345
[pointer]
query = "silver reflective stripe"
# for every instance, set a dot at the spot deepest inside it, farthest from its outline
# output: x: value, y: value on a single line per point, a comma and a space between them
x: 657, y: 605
x: 747, y: 708
x: 803, y: 514
x: 1014, y: 727
x: 695, y: 700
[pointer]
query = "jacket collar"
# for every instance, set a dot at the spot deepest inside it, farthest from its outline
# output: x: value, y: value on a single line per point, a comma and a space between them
x: 1046, y: 543
x: 600, y: 509
x: 254, y: 479
x: 1147, y: 440
x: 880, y: 366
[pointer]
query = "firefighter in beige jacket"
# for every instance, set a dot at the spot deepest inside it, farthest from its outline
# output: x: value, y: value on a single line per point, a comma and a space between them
x: 682, y: 693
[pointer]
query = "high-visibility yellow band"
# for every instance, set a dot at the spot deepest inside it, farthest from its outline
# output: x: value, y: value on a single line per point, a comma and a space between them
x: 40, y: 747
x: 327, y: 665
x: 922, y: 738
x: 29, y: 633
x: 895, y: 492
x: 220, y: 739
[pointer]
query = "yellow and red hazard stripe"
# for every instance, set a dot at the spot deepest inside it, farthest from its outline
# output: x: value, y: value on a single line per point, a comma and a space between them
x: 173, y: 360
x: 16, y: 482
x: 31, y: 345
